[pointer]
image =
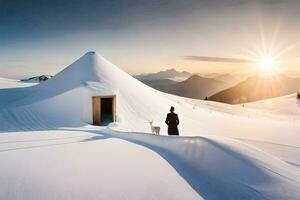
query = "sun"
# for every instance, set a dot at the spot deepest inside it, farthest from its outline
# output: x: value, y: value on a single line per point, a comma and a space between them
x: 266, y: 64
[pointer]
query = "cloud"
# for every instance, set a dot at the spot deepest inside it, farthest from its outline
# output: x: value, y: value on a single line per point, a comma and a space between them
x: 218, y: 59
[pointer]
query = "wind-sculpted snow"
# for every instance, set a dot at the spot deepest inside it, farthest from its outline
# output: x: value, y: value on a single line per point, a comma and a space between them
x: 240, y: 152
x: 220, y: 168
x: 118, y: 164
x: 69, y: 165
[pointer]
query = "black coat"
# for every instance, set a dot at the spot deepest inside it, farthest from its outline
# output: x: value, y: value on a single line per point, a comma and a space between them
x: 172, y: 121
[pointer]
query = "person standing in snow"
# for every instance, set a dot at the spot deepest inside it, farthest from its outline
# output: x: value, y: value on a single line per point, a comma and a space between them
x: 172, y: 121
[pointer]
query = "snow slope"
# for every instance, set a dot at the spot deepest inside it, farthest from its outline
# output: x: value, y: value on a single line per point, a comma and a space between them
x: 226, y: 152
x: 288, y: 105
x: 11, y: 83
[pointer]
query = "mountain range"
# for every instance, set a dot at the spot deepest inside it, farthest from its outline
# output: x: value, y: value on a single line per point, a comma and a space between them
x: 258, y: 87
x: 195, y: 87
x: 166, y: 74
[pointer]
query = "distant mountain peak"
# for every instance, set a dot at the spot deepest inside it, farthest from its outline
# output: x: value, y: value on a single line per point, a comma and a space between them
x: 170, y: 70
x: 195, y: 76
x: 171, y: 73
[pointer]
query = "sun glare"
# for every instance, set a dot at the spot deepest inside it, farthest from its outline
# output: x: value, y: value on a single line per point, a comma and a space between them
x: 266, y: 64
x: 268, y: 56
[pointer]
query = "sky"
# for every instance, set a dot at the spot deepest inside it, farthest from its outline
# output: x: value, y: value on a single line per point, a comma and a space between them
x: 142, y: 36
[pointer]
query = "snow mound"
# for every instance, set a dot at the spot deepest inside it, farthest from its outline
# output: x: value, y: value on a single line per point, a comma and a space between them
x: 65, y: 99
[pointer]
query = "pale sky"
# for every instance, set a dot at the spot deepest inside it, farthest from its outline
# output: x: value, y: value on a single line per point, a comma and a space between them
x: 143, y: 36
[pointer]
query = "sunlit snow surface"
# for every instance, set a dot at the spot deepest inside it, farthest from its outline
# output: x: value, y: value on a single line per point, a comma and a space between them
x: 48, y: 150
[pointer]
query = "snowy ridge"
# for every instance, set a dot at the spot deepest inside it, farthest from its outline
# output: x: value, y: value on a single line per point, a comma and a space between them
x: 226, y: 159
x: 242, y: 168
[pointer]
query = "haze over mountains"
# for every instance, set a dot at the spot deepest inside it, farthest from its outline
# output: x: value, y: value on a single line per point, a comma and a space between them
x: 171, y: 74
x: 197, y: 86
x: 257, y: 88
x: 230, y: 79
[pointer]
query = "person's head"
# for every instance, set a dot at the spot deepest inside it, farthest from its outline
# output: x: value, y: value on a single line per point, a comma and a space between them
x: 172, y: 109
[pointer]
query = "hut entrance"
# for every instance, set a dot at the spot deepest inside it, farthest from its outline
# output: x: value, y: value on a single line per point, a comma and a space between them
x: 104, y: 111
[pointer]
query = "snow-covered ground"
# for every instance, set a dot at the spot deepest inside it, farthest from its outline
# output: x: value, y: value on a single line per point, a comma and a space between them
x: 48, y: 150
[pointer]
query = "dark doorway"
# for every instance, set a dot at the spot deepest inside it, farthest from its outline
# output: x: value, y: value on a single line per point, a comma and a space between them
x: 106, y: 111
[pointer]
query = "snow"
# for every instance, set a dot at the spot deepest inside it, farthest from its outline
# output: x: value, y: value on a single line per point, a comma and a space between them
x: 11, y: 83
x: 48, y: 150
x: 288, y: 105
x: 75, y: 165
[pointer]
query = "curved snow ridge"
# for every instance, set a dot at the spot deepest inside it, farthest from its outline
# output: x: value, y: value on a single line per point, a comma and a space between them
x: 222, y: 168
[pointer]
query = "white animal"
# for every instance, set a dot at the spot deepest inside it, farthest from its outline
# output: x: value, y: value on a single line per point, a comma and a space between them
x: 154, y: 129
